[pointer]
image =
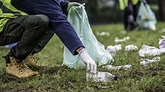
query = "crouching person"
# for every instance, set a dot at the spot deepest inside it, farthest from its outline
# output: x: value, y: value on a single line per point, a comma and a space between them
x: 27, y: 31
x: 21, y: 22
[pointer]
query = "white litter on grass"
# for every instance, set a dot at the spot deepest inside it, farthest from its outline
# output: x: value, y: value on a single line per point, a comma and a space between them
x: 113, y: 49
x: 145, y: 62
x: 121, y: 40
x: 162, y: 43
x: 150, y: 51
x: 103, y: 33
x: 101, y: 77
x: 110, y: 67
x: 131, y: 48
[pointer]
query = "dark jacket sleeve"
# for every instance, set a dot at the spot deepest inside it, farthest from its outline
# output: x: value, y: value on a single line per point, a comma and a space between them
x: 64, y: 6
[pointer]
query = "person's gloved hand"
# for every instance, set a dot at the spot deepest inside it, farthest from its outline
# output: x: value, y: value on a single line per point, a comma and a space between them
x: 70, y: 4
x: 91, y: 65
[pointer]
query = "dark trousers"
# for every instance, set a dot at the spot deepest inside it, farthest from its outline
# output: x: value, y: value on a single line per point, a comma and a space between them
x: 31, y: 33
x: 130, y: 12
x: 135, y: 10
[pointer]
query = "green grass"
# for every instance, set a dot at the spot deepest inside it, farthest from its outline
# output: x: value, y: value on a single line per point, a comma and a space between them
x: 62, y: 79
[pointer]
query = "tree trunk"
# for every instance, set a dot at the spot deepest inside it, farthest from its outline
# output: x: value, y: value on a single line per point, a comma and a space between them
x: 161, y: 4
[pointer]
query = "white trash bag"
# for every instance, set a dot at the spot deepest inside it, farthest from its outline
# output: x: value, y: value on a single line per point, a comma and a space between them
x: 78, y: 18
x: 146, y: 18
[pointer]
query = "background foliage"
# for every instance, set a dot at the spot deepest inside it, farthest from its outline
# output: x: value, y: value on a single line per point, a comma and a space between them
x: 109, y: 13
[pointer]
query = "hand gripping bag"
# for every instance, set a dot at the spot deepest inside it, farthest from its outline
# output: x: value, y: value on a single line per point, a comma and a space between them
x: 77, y: 16
x: 146, y: 18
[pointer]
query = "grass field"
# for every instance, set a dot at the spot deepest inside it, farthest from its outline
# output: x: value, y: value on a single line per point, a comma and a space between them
x: 57, y: 78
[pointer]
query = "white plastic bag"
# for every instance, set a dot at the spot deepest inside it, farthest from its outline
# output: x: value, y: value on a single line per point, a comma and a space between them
x: 146, y: 18
x: 78, y: 18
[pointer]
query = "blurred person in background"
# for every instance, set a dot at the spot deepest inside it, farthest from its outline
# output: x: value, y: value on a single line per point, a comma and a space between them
x: 130, y: 8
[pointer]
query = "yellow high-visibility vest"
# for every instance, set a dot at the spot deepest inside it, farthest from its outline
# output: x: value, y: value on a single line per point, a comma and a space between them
x: 135, y: 2
x: 7, y: 11
x: 124, y: 3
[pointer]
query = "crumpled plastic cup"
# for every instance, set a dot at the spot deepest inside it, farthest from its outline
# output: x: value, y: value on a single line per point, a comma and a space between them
x: 121, y: 40
x: 131, y: 48
x: 145, y: 62
x: 162, y: 43
x: 113, y: 49
x: 150, y: 51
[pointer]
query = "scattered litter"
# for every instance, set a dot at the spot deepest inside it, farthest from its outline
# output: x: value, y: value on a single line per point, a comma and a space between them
x: 113, y: 49
x: 145, y: 62
x: 103, y: 33
x: 131, y: 48
x: 101, y: 77
x: 150, y: 51
x: 121, y: 40
x: 162, y: 43
x: 110, y: 67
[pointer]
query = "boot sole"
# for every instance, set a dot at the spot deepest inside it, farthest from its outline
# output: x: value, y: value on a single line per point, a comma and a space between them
x: 9, y: 76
